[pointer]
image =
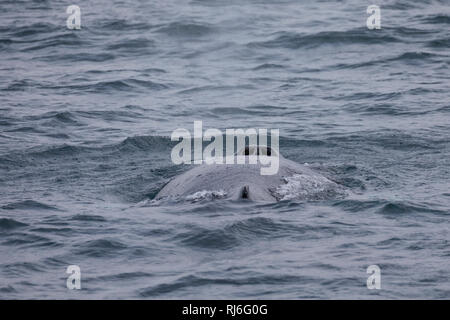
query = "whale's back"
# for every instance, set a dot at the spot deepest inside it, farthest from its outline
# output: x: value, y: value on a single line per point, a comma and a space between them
x: 244, y: 181
x: 227, y: 178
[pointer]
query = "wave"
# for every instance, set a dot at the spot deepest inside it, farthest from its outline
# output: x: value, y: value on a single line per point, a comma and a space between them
x: 8, y: 289
x: 30, y: 30
x: 387, y: 207
x: 55, y: 119
x: 439, y: 43
x: 23, y: 268
x: 63, y: 39
x: 192, y: 281
x: 120, y: 25
x: 10, y: 224
x: 77, y: 57
x: 56, y: 151
x: 390, y: 139
x: 411, y: 57
x: 20, y: 85
x: 26, y: 129
x: 220, y: 111
x: 31, y: 156
x: 114, y: 86
x: 28, y: 205
x: 210, y: 88
x: 435, y: 19
x: 260, y: 227
x: 138, y: 45
x: 28, y: 240
x: 100, y: 248
x: 266, y: 66
x: 407, y: 207
x: 121, y: 276
x: 77, y: 117
x: 146, y: 143
x: 240, y: 233
x: 291, y: 40
x: 208, y: 239
x: 186, y: 29
x: 88, y: 217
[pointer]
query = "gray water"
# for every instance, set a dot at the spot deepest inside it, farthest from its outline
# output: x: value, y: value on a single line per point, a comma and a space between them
x: 85, y: 121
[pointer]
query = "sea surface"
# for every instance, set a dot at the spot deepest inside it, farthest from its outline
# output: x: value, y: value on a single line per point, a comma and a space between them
x: 85, y: 123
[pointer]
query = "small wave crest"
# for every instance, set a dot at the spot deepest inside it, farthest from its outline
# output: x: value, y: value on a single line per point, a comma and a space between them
x: 292, y: 40
x: 9, y: 224
x: 191, y: 30
x: 28, y: 205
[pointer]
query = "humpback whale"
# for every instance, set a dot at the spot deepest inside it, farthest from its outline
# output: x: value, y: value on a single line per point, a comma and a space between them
x: 293, y: 181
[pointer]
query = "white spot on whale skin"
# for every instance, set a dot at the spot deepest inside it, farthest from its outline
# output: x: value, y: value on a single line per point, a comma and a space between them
x: 307, y: 187
x: 206, y: 195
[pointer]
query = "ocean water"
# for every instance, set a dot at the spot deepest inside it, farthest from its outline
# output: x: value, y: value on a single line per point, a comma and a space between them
x: 85, y: 123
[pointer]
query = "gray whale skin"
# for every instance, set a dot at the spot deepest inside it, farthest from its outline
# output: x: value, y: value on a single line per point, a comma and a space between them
x: 244, y: 181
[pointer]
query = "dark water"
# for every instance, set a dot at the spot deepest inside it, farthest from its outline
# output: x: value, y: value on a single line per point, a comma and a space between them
x: 85, y: 118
